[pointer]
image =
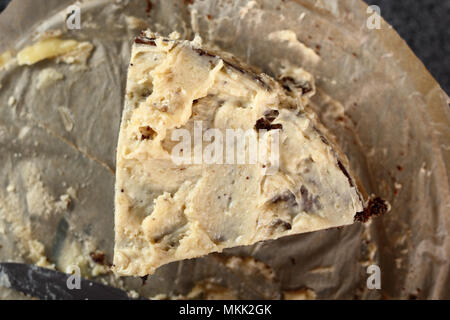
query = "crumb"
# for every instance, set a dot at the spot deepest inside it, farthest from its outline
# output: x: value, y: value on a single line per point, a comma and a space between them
x: 72, y: 192
x: 66, y: 118
x: 64, y: 202
x: 12, y: 101
x: 299, y: 294
x: 133, y: 294
x: 208, y: 289
x: 48, y: 77
x: 249, y: 265
x: 376, y: 207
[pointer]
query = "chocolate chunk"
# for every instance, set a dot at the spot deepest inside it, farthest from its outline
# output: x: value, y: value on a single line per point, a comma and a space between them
x: 309, y: 201
x: 376, y: 207
x: 266, y: 122
x: 202, y: 52
x: 271, y: 114
x: 147, y: 133
x: 278, y: 223
x: 262, y: 123
x: 218, y: 238
x: 290, y: 84
x: 144, y: 279
x: 324, y: 140
x: 345, y: 172
x: 98, y: 257
x: 287, y: 197
x: 145, y: 40
x: 149, y: 7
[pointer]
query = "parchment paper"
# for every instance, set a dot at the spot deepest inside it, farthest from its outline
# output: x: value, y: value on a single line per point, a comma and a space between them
x: 388, y: 113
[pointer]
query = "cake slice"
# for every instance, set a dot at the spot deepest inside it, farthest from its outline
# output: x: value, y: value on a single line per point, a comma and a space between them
x: 170, y: 208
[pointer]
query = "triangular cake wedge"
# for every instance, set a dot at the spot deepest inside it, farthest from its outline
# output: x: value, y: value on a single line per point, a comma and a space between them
x: 165, y: 211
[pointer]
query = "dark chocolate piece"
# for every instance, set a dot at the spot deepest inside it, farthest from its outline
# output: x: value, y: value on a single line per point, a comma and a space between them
x: 287, y: 197
x: 290, y: 84
x: 98, y: 257
x: 309, y: 201
x: 144, y: 40
x: 345, y: 172
x: 149, y: 7
x: 147, y: 133
x: 376, y: 207
x: 266, y: 122
x: 278, y: 223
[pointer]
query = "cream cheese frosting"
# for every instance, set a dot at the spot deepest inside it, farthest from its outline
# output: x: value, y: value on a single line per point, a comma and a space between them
x: 166, y: 211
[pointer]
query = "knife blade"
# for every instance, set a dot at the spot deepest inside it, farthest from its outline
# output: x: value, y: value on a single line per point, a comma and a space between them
x: 49, y: 284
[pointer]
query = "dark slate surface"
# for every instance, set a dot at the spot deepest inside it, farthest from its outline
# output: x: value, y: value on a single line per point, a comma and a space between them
x: 424, y: 24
